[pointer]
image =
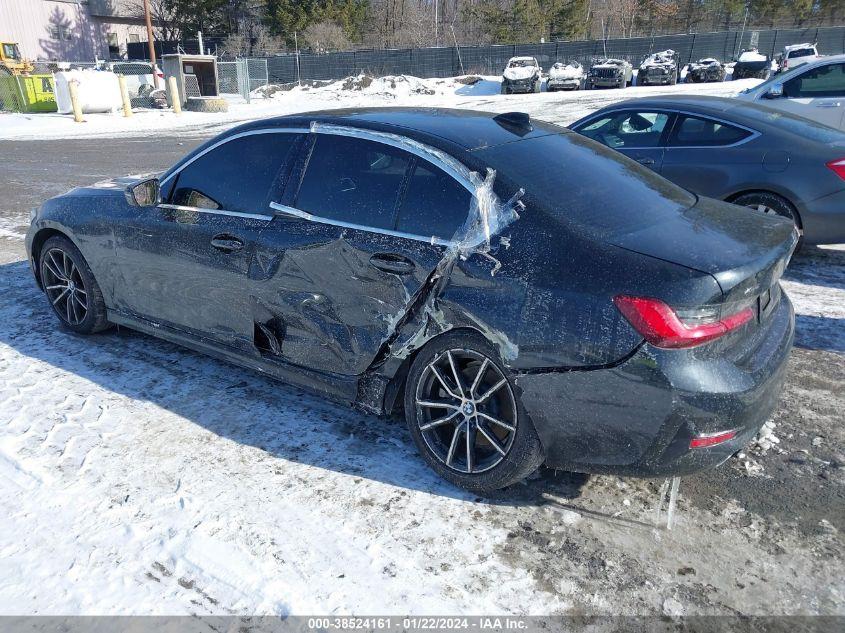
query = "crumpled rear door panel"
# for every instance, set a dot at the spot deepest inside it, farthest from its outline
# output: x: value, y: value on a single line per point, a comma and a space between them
x: 330, y: 307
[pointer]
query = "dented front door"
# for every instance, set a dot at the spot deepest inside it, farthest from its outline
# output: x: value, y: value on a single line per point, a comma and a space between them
x: 332, y: 295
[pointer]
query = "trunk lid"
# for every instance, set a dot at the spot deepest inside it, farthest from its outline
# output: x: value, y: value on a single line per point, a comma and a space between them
x: 744, y: 250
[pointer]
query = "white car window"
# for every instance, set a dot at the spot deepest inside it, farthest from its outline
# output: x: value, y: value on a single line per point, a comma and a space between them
x: 822, y: 81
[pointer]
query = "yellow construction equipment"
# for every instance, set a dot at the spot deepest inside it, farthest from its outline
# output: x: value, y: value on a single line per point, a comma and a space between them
x: 11, y: 62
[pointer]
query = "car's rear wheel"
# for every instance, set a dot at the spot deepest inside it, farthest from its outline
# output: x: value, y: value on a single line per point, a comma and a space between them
x: 771, y: 204
x: 465, y: 416
x: 70, y: 287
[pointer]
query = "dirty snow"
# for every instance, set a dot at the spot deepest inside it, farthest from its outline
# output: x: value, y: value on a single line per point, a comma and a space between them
x: 561, y: 108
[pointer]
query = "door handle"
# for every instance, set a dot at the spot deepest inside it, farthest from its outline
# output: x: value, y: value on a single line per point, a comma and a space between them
x: 828, y: 104
x: 645, y: 161
x: 392, y: 263
x: 226, y: 243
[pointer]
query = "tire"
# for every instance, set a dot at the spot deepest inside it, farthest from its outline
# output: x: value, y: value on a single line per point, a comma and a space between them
x: 207, y: 104
x: 443, y: 445
x: 61, y: 266
x: 504, y: 89
x: 774, y: 204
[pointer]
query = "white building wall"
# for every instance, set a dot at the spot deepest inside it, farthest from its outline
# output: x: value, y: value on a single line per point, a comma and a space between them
x: 63, y: 30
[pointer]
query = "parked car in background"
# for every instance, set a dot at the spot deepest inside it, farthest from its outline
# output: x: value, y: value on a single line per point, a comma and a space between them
x: 771, y: 161
x: 522, y: 74
x: 797, y: 54
x: 610, y: 73
x: 659, y: 69
x: 565, y: 76
x: 628, y: 327
x: 815, y: 90
x: 751, y: 64
x: 705, y: 70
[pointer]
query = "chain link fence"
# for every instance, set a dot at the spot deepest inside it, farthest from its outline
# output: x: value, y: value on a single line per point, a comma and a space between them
x: 490, y: 60
x: 242, y: 76
x: 29, y: 93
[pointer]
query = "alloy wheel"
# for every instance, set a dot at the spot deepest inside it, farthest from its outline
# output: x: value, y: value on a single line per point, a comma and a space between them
x: 64, y: 286
x: 466, y: 411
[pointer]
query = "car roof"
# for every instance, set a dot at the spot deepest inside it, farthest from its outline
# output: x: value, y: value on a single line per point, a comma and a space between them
x: 443, y: 128
x: 523, y: 58
x: 792, y: 47
x: 746, y: 113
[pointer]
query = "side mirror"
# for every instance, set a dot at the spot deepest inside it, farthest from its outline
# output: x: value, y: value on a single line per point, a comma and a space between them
x: 146, y: 193
x: 775, y: 92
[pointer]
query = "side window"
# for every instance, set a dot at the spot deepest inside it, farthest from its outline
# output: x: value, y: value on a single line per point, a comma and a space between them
x: 628, y: 129
x: 693, y: 131
x: 822, y: 81
x: 353, y: 180
x: 435, y: 204
x: 236, y: 176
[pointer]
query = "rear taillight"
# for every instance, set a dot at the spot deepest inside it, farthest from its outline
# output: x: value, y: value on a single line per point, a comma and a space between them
x: 838, y: 167
x: 711, y: 439
x: 662, y: 326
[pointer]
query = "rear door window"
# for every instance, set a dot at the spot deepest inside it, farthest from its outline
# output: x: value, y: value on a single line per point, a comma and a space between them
x: 353, y: 180
x: 628, y: 129
x: 822, y: 81
x: 692, y: 131
x: 235, y: 176
x: 434, y: 204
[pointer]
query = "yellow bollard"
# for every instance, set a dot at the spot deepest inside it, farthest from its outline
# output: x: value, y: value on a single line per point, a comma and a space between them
x: 175, y: 100
x: 73, y: 88
x: 124, y: 95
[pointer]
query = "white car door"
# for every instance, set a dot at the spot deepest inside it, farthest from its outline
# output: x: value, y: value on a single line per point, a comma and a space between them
x: 818, y: 94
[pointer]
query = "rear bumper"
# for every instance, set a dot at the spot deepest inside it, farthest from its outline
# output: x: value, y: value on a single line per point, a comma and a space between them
x: 823, y: 219
x: 638, y: 418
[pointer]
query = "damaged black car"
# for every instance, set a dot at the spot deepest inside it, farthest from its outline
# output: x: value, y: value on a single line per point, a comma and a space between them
x: 428, y: 262
x: 705, y: 70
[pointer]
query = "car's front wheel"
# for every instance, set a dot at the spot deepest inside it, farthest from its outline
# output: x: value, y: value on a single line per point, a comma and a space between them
x: 465, y: 416
x: 70, y: 287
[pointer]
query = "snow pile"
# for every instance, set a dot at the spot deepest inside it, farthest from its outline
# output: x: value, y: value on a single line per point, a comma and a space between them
x: 752, y: 56
x: 572, y: 70
x: 520, y: 68
x: 659, y: 59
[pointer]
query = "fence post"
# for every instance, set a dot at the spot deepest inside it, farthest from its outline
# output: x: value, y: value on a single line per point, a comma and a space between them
x: 124, y: 95
x: 691, y: 49
x: 73, y: 88
x: 175, y: 99
x: 774, y: 44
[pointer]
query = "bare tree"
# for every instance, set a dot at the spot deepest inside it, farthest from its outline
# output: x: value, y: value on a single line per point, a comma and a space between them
x: 326, y: 36
x: 162, y: 14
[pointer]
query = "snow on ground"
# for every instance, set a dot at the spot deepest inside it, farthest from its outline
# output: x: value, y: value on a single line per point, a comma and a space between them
x: 140, y: 478
x: 558, y: 107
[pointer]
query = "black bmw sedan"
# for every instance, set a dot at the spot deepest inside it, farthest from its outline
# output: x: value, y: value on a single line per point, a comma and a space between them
x: 522, y: 293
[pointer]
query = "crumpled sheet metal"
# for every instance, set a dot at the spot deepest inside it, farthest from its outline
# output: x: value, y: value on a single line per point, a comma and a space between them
x: 487, y: 216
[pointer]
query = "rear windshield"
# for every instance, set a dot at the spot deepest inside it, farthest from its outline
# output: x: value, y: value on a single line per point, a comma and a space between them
x: 588, y: 184
x: 801, y: 52
x: 805, y: 128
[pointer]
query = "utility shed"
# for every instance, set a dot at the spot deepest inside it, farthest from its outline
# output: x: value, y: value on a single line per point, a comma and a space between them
x: 196, y: 75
